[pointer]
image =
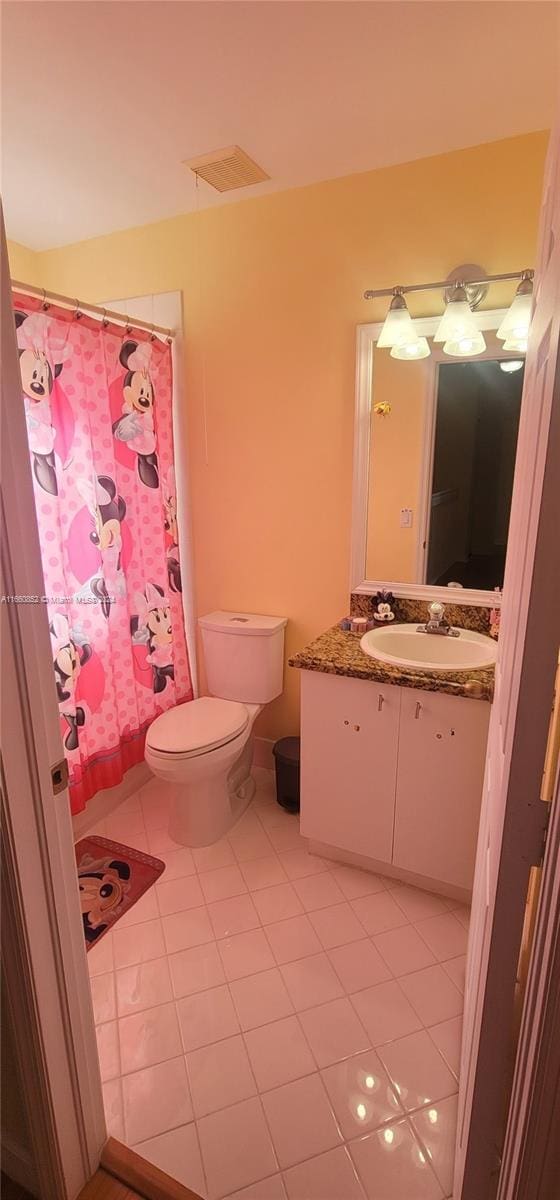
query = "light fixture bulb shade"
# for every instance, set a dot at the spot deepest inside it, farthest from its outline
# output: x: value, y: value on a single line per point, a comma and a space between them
x: 398, y: 325
x: 509, y: 365
x: 411, y: 351
x: 518, y: 344
x: 465, y: 346
x: 517, y: 319
x: 457, y: 320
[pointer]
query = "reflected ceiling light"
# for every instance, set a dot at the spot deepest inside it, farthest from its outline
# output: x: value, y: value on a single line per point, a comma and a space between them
x: 457, y: 321
x: 515, y: 325
x: 511, y: 364
x: 398, y: 325
x: 465, y: 345
x: 417, y: 347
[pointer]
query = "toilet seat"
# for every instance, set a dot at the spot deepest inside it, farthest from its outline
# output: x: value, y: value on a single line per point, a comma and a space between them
x: 197, y: 727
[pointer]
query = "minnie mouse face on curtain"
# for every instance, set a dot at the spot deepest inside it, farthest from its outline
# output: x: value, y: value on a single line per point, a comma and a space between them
x: 99, y: 542
x: 135, y: 428
x: 38, y: 375
x: 151, y: 630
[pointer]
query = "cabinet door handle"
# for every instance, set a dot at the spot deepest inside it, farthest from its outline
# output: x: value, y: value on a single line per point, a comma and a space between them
x: 380, y: 702
x: 418, y: 710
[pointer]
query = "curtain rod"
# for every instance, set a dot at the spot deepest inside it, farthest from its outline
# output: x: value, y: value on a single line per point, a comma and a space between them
x: 104, y: 314
x: 442, y: 284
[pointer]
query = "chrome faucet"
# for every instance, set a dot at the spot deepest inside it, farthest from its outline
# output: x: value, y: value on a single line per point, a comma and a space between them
x: 437, y: 622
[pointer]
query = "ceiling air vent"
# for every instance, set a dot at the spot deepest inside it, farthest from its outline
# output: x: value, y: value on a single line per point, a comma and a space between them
x: 227, y: 169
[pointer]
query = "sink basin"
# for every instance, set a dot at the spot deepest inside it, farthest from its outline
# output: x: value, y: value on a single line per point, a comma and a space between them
x: 404, y: 646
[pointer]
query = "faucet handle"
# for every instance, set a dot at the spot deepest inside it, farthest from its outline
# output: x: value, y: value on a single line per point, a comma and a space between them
x: 436, y: 610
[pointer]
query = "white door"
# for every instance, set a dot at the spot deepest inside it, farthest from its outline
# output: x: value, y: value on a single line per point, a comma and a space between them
x: 513, y: 816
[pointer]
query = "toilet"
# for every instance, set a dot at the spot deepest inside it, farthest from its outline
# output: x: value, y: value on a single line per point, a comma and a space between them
x: 204, y: 748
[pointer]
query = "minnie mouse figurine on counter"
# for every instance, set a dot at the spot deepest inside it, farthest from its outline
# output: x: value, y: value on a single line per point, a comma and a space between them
x: 383, y: 610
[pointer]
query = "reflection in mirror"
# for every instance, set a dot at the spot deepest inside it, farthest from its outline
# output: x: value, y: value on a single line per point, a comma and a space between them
x: 442, y: 458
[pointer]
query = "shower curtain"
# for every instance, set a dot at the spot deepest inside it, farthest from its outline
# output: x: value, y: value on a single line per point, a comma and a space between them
x: 98, y: 405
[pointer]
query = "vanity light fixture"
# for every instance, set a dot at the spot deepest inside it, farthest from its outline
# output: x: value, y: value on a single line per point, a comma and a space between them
x: 515, y: 325
x: 458, y: 329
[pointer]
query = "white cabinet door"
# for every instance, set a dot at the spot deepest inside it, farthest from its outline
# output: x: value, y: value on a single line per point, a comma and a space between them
x: 350, y: 733
x: 440, y: 773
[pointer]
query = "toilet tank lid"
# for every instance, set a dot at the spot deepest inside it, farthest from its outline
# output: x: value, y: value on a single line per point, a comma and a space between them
x: 250, y: 624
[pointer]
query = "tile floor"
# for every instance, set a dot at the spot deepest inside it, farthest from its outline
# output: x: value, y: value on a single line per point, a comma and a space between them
x: 274, y: 1026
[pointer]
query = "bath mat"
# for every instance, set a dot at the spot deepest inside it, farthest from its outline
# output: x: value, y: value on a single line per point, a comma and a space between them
x: 111, y: 878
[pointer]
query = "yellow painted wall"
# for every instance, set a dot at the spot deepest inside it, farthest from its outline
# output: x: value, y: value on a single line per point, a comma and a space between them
x: 272, y: 295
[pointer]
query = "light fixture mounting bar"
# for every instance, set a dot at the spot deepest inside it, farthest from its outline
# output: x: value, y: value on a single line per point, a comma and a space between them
x: 445, y: 283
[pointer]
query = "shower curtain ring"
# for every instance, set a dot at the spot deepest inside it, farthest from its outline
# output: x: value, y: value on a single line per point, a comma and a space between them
x: 104, y: 321
x: 77, y: 313
x: 152, y: 334
x: 45, y: 304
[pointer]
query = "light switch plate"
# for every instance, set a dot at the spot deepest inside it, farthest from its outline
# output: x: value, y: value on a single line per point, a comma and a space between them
x: 406, y: 518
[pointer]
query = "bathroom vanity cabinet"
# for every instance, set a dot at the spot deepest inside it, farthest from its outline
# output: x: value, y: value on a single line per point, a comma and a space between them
x: 393, y: 775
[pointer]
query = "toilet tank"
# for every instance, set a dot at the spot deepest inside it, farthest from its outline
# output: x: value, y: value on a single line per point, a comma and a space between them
x: 244, y: 655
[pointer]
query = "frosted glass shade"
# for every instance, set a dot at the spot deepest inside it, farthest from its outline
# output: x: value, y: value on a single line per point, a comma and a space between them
x: 517, y: 343
x: 417, y: 348
x: 517, y: 319
x: 466, y: 346
x: 398, y: 325
x: 457, y: 321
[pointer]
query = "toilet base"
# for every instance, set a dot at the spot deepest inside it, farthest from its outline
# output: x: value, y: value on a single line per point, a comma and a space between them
x: 206, y: 807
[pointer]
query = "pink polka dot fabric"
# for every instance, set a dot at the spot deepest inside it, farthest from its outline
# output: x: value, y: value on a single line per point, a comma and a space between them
x: 98, y: 405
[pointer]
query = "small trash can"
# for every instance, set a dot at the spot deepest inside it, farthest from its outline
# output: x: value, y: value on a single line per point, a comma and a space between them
x: 286, y: 759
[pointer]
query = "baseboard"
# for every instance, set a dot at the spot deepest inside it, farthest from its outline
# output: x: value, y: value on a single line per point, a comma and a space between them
x: 17, y: 1164
x: 141, y: 1176
x: 105, y: 802
x: 262, y: 752
x: 348, y: 857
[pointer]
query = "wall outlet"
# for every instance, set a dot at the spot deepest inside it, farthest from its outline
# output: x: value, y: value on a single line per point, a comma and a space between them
x: 406, y: 518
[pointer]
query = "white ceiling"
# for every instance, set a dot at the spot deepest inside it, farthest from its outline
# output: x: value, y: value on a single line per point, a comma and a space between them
x: 103, y: 101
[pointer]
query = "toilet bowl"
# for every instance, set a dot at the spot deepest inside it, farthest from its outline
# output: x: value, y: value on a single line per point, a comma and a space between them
x: 204, y: 748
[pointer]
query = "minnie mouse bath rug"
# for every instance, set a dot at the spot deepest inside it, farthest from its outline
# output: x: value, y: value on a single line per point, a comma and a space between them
x: 111, y: 878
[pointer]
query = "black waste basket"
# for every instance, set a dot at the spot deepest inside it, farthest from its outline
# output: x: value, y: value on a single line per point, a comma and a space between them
x: 286, y: 758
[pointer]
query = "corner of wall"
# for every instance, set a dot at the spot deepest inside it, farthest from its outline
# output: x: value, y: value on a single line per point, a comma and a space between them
x: 25, y: 264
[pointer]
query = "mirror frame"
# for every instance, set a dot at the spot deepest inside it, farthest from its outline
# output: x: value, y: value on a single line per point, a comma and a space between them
x: 366, y: 341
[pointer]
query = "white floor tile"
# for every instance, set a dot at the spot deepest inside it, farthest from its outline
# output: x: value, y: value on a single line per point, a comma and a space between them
x: 403, y: 950
x: 211, y: 858
x: 393, y: 1165
x: 279, y: 1053
x: 235, y: 915
x: 385, y: 1012
x: 207, y: 1017
x: 138, y: 943
x: 185, y: 929
x: 177, y: 895
x: 100, y: 957
x: 299, y: 863
x: 143, y: 985
x: 196, y: 970
x: 149, y: 1037
x: 177, y: 1152
x: 330, y: 1176
x: 260, y: 999
x: 456, y: 968
x: 359, y: 965
x: 276, y: 903
x: 108, y: 1050
x: 251, y: 845
x: 113, y: 1107
x: 415, y: 903
x: 361, y: 1094
x: 219, y: 1075
x: 222, y: 883
x: 336, y: 926
x: 145, y: 909
x: 447, y: 1037
x: 311, y: 981
x: 178, y: 863
x: 318, y: 891
x: 355, y: 882
x: 236, y: 1147
x: 300, y: 1120
x: 333, y: 1031
x: 445, y: 935
x: 245, y: 954
x: 432, y: 995
x: 378, y: 912
x: 292, y: 939
x: 266, y: 1189
x: 156, y: 1099
x: 263, y: 872
x: 417, y: 1070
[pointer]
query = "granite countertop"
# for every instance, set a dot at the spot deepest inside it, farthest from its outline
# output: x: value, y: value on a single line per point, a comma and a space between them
x: 337, y: 652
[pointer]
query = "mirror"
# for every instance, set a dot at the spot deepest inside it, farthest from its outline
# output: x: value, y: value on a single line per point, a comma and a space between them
x: 436, y: 440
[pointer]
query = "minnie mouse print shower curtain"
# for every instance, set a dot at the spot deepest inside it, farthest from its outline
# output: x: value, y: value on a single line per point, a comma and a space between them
x: 98, y: 405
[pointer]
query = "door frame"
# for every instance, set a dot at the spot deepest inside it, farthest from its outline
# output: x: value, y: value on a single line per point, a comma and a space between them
x: 43, y: 953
